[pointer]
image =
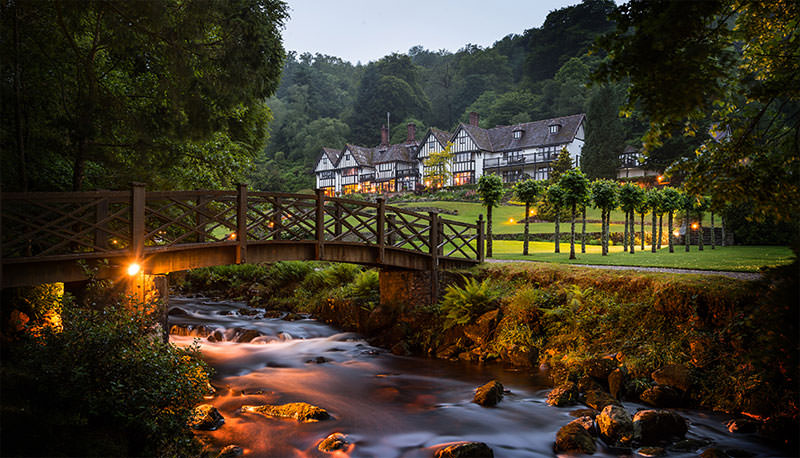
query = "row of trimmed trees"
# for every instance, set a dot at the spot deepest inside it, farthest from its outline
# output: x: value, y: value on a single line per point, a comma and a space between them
x: 574, y: 192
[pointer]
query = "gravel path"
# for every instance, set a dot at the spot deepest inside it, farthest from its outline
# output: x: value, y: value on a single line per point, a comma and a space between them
x: 736, y: 275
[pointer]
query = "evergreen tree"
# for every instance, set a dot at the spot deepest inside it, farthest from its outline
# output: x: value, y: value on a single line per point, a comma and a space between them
x: 576, y: 192
x: 527, y: 191
x: 605, y: 133
x: 561, y: 165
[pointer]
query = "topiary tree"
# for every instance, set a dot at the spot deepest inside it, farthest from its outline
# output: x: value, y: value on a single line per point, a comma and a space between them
x: 527, y: 191
x: 605, y: 196
x: 576, y: 192
x: 652, y: 201
x: 630, y: 197
x: 555, y: 198
x: 671, y: 201
x: 490, y: 190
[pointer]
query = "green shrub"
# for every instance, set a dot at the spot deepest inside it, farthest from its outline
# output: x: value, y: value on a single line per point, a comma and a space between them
x: 365, y: 289
x: 461, y: 304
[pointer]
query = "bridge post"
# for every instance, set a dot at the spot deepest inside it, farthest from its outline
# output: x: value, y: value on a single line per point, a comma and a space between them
x: 241, y: 224
x: 381, y: 233
x: 277, y: 219
x: 100, y: 232
x: 338, y: 226
x: 392, y: 225
x: 481, y: 242
x: 434, y: 252
x: 138, y: 202
x: 320, y: 224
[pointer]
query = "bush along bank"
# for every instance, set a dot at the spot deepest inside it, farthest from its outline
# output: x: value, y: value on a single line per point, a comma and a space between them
x: 661, y: 339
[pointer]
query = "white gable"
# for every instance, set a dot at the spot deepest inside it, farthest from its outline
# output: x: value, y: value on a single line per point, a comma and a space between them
x: 463, y: 142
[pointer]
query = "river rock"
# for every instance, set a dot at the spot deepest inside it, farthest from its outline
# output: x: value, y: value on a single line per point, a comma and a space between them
x: 448, y: 351
x: 598, y: 400
x: 565, y: 394
x: 674, y: 375
x: 206, y: 417
x: 615, y: 425
x: 658, y: 426
x: 216, y: 336
x: 591, y: 413
x: 651, y: 451
x: 688, y: 445
x: 400, y: 349
x: 335, y: 441
x: 573, y: 438
x: 247, y: 335
x: 299, y: 411
x: 661, y: 396
x: 482, y: 330
x: 177, y: 311
x: 465, y: 450
x: 489, y: 395
x: 230, y: 451
x: 318, y: 360
x: 519, y: 356
x: 587, y: 423
x: 616, y: 383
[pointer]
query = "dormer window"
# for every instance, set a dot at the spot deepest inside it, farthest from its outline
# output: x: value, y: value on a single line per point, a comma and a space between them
x: 517, y: 134
x: 555, y: 128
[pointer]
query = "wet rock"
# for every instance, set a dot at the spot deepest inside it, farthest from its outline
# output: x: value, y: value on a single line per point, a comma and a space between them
x: 661, y: 396
x: 674, y: 375
x: 565, y: 394
x: 688, y: 445
x: 216, y: 336
x: 587, y: 423
x: 651, y: 451
x: 247, y: 335
x: 489, y: 395
x: 318, y: 360
x: 598, y: 400
x: 713, y: 453
x: 465, y: 450
x: 400, y: 349
x: 230, y: 451
x: 299, y: 411
x: 519, y: 356
x: 615, y: 425
x: 658, y: 426
x: 273, y: 314
x: 616, y: 383
x: 177, y: 311
x: 587, y: 383
x: 380, y: 318
x: 573, y: 438
x: 591, y: 413
x: 600, y: 368
x: 482, y: 331
x: 248, y: 312
x: 206, y: 417
x: 291, y: 316
x: 335, y: 441
x: 448, y: 351
x: 742, y: 426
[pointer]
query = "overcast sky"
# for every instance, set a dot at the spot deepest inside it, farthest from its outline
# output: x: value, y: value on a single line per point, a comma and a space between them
x: 366, y: 30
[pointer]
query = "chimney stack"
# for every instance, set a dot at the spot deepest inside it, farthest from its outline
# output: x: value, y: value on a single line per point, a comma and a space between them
x: 412, y: 133
x: 384, y: 135
x: 474, y: 118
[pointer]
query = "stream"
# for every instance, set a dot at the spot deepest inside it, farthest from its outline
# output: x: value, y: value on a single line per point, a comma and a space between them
x: 387, y: 405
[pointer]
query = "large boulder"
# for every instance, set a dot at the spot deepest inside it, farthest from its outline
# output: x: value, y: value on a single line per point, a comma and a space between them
x: 335, y: 441
x: 574, y: 438
x: 465, y: 450
x: 247, y: 335
x: 206, y: 417
x: 591, y: 413
x: 661, y: 396
x: 489, y: 395
x: 674, y: 375
x: 482, y: 330
x: 519, y: 356
x: 654, y: 427
x: 616, y: 383
x: 565, y: 394
x: 598, y: 400
x: 615, y: 425
x: 299, y: 411
x: 587, y: 383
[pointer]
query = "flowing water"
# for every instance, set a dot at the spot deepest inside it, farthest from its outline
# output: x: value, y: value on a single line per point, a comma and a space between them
x: 388, y: 406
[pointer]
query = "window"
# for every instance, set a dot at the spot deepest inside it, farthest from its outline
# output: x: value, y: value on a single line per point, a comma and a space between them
x: 517, y: 134
x: 512, y: 176
x: 385, y: 167
x: 431, y: 144
x: 463, y: 178
x: 347, y: 157
x: 462, y: 140
x: 350, y: 171
x: 463, y: 157
x: 542, y: 173
x: 514, y: 157
x: 555, y: 128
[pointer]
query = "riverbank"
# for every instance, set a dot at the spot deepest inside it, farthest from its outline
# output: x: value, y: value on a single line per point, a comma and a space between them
x: 736, y: 341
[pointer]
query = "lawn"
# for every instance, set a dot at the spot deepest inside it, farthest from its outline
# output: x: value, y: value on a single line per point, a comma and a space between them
x: 734, y: 258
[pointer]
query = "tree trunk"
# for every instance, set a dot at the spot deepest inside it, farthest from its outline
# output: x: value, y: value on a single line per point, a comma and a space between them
x: 527, y: 221
x: 558, y: 232
x: 489, y: 231
x: 722, y: 224
x: 625, y: 235
x: 669, y: 232
x: 660, y: 228
x: 642, y: 227
x: 700, y: 231
x: 572, y: 232
x: 605, y: 230
x: 583, y: 230
x: 713, y: 235
x: 18, y: 104
x: 632, y: 231
x: 653, y: 233
x: 687, y: 239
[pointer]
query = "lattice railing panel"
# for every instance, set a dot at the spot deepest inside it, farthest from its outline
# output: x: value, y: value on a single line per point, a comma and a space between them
x: 273, y: 216
x: 188, y: 217
x: 355, y: 221
x: 410, y: 230
x: 458, y: 240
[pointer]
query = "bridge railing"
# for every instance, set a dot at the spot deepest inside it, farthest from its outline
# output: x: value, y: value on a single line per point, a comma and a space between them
x: 77, y: 225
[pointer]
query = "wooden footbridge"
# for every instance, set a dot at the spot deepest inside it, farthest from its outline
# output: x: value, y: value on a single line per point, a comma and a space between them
x: 60, y: 237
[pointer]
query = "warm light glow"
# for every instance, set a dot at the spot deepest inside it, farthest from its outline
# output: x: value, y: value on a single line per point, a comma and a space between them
x: 134, y: 269
x: 660, y: 178
x: 676, y: 233
x: 511, y: 220
x: 232, y: 236
x: 695, y: 226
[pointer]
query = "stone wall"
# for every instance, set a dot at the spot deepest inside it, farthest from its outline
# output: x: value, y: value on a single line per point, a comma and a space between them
x: 406, y: 287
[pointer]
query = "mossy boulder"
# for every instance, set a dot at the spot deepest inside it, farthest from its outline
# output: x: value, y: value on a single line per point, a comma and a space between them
x: 615, y: 425
x: 674, y: 375
x: 299, y: 411
x: 661, y: 396
x: 654, y: 427
x: 598, y: 400
x: 335, y: 441
x: 616, y: 383
x: 206, y: 417
x: 465, y: 450
x: 489, y: 394
x: 574, y: 438
x: 565, y: 394
x: 482, y: 330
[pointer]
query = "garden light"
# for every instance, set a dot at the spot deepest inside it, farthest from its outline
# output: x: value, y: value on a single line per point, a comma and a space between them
x: 676, y: 233
x: 695, y: 226
x: 511, y: 220
x: 134, y: 269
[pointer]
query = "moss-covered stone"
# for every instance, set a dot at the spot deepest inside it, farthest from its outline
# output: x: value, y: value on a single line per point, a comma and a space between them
x: 334, y: 441
x: 658, y: 426
x: 573, y: 438
x: 489, y: 395
x: 465, y: 450
x: 565, y: 394
x: 206, y: 417
x: 598, y: 400
x: 615, y: 425
x: 299, y: 411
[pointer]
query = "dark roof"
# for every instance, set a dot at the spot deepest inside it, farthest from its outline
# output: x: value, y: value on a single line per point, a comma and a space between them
x: 362, y: 155
x: 629, y: 149
x: 441, y: 136
x: 333, y: 154
x: 534, y: 134
x: 402, y: 153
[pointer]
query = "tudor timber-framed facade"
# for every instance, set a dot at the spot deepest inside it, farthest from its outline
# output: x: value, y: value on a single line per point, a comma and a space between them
x: 517, y: 152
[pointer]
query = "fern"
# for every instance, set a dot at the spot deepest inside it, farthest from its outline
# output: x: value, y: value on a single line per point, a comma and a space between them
x: 461, y: 304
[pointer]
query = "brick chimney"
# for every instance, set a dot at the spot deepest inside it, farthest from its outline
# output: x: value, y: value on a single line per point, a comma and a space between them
x: 474, y: 118
x: 412, y: 132
x: 384, y: 135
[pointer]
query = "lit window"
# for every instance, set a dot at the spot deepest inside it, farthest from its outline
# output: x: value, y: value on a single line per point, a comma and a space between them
x: 517, y: 134
x: 554, y: 128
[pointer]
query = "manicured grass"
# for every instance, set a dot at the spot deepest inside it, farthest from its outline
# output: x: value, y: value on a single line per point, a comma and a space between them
x: 735, y: 258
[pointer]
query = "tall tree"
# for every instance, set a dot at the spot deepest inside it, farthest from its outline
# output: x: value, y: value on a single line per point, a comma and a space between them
x: 604, y: 197
x: 527, y: 191
x: 106, y: 90
x: 605, y: 133
x: 555, y: 198
x: 576, y: 192
x: 561, y: 165
x: 652, y: 202
x: 490, y: 190
x: 672, y: 201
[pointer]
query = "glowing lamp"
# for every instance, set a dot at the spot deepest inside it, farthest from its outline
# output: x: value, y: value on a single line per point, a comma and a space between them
x: 510, y: 220
x: 660, y: 178
x: 134, y: 269
x: 695, y: 226
x: 676, y: 233
x: 232, y: 236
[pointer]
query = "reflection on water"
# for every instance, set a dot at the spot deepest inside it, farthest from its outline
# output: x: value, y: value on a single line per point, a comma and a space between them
x: 388, y: 406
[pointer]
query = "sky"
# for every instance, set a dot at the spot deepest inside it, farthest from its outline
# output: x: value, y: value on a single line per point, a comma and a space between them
x: 366, y: 30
